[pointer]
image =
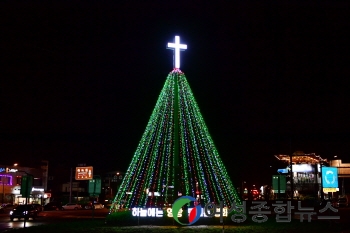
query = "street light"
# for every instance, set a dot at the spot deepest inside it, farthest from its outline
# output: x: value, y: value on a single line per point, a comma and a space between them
x: 110, y: 187
x: 116, y: 190
x: 242, y: 189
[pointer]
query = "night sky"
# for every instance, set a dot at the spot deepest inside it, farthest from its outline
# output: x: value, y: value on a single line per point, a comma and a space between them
x: 80, y: 80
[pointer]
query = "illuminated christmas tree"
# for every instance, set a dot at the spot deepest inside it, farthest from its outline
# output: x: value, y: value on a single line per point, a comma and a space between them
x: 176, y: 155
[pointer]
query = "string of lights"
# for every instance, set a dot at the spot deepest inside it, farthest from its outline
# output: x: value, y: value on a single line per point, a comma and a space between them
x: 152, y: 179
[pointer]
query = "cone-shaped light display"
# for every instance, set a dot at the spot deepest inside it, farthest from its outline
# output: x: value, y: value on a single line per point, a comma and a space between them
x: 176, y: 155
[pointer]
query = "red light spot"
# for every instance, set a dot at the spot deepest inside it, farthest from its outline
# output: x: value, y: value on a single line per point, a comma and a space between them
x: 192, y: 215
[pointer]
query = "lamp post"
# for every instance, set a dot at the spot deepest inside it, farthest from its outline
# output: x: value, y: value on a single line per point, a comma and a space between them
x: 110, y: 187
x: 27, y: 192
x: 321, y: 174
x: 46, y: 167
x: 291, y: 175
x: 70, y: 185
x: 117, y: 182
x: 3, y: 188
x: 338, y: 168
x: 15, y: 165
x: 242, y: 190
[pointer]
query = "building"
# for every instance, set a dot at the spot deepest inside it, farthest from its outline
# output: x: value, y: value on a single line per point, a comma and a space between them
x: 110, y: 184
x: 307, y: 175
x: 68, y: 187
x: 343, y: 174
x: 11, y: 180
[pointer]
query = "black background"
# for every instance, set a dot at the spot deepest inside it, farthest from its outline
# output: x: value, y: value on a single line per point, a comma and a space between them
x: 80, y: 79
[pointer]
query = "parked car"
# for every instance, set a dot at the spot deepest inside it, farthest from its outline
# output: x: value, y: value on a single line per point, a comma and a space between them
x: 98, y: 206
x: 23, y: 211
x: 95, y: 206
x: 342, y: 202
x: 71, y: 206
x: 53, y: 206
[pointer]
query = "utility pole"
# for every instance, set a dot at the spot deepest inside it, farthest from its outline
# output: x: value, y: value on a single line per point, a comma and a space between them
x: 46, y: 167
x: 321, y: 174
x: 110, y: 187
x: 3, y: 188
x: 291, y: 168
x: 70, y: 185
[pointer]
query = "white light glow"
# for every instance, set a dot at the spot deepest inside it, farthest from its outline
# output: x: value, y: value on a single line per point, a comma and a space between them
x: 156, y: 194
x: 177, y: 47
x: 147, y: 212
x: 302, y: 168
x: 38, y: 189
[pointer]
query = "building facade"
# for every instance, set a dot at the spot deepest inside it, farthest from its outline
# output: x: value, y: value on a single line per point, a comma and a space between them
x: 343, y: 174
x: 303, y: 172
x: 305, y: 179
x: 11, y: 180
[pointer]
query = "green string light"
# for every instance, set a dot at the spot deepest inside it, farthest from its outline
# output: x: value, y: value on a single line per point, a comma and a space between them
x: 152, y: 166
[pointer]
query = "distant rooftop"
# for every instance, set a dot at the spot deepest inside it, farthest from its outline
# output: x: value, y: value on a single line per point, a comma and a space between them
x: 301, y: 157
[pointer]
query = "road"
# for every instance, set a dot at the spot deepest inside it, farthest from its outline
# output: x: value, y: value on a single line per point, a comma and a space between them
x: 47, y: 217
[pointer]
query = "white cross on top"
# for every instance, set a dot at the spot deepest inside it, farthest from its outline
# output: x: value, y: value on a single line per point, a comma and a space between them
x: 177, y: 47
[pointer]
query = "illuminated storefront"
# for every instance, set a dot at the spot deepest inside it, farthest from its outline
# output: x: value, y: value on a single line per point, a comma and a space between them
x: 10, y: 185
x: 306, y: 174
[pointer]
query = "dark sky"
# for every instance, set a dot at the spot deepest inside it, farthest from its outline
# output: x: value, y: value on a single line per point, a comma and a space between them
x: 80, y: 80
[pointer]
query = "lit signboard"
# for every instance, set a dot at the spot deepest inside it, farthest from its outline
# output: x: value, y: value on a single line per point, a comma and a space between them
x: 84, y: 173
x: 38, y: 189
x: 279, y: 183
x: 330, y: 190
x: 283, y: 171
x: 2, y: 169
x: 329, y: 177
x: 157, y: 212
x: 147, y: 212
x: 12, y: 170
x: 302, y: 168
x: 6, y: 179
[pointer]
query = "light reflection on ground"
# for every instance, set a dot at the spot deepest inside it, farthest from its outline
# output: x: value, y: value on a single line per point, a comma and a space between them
x: 173, y: 227
x: 20, y: 224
